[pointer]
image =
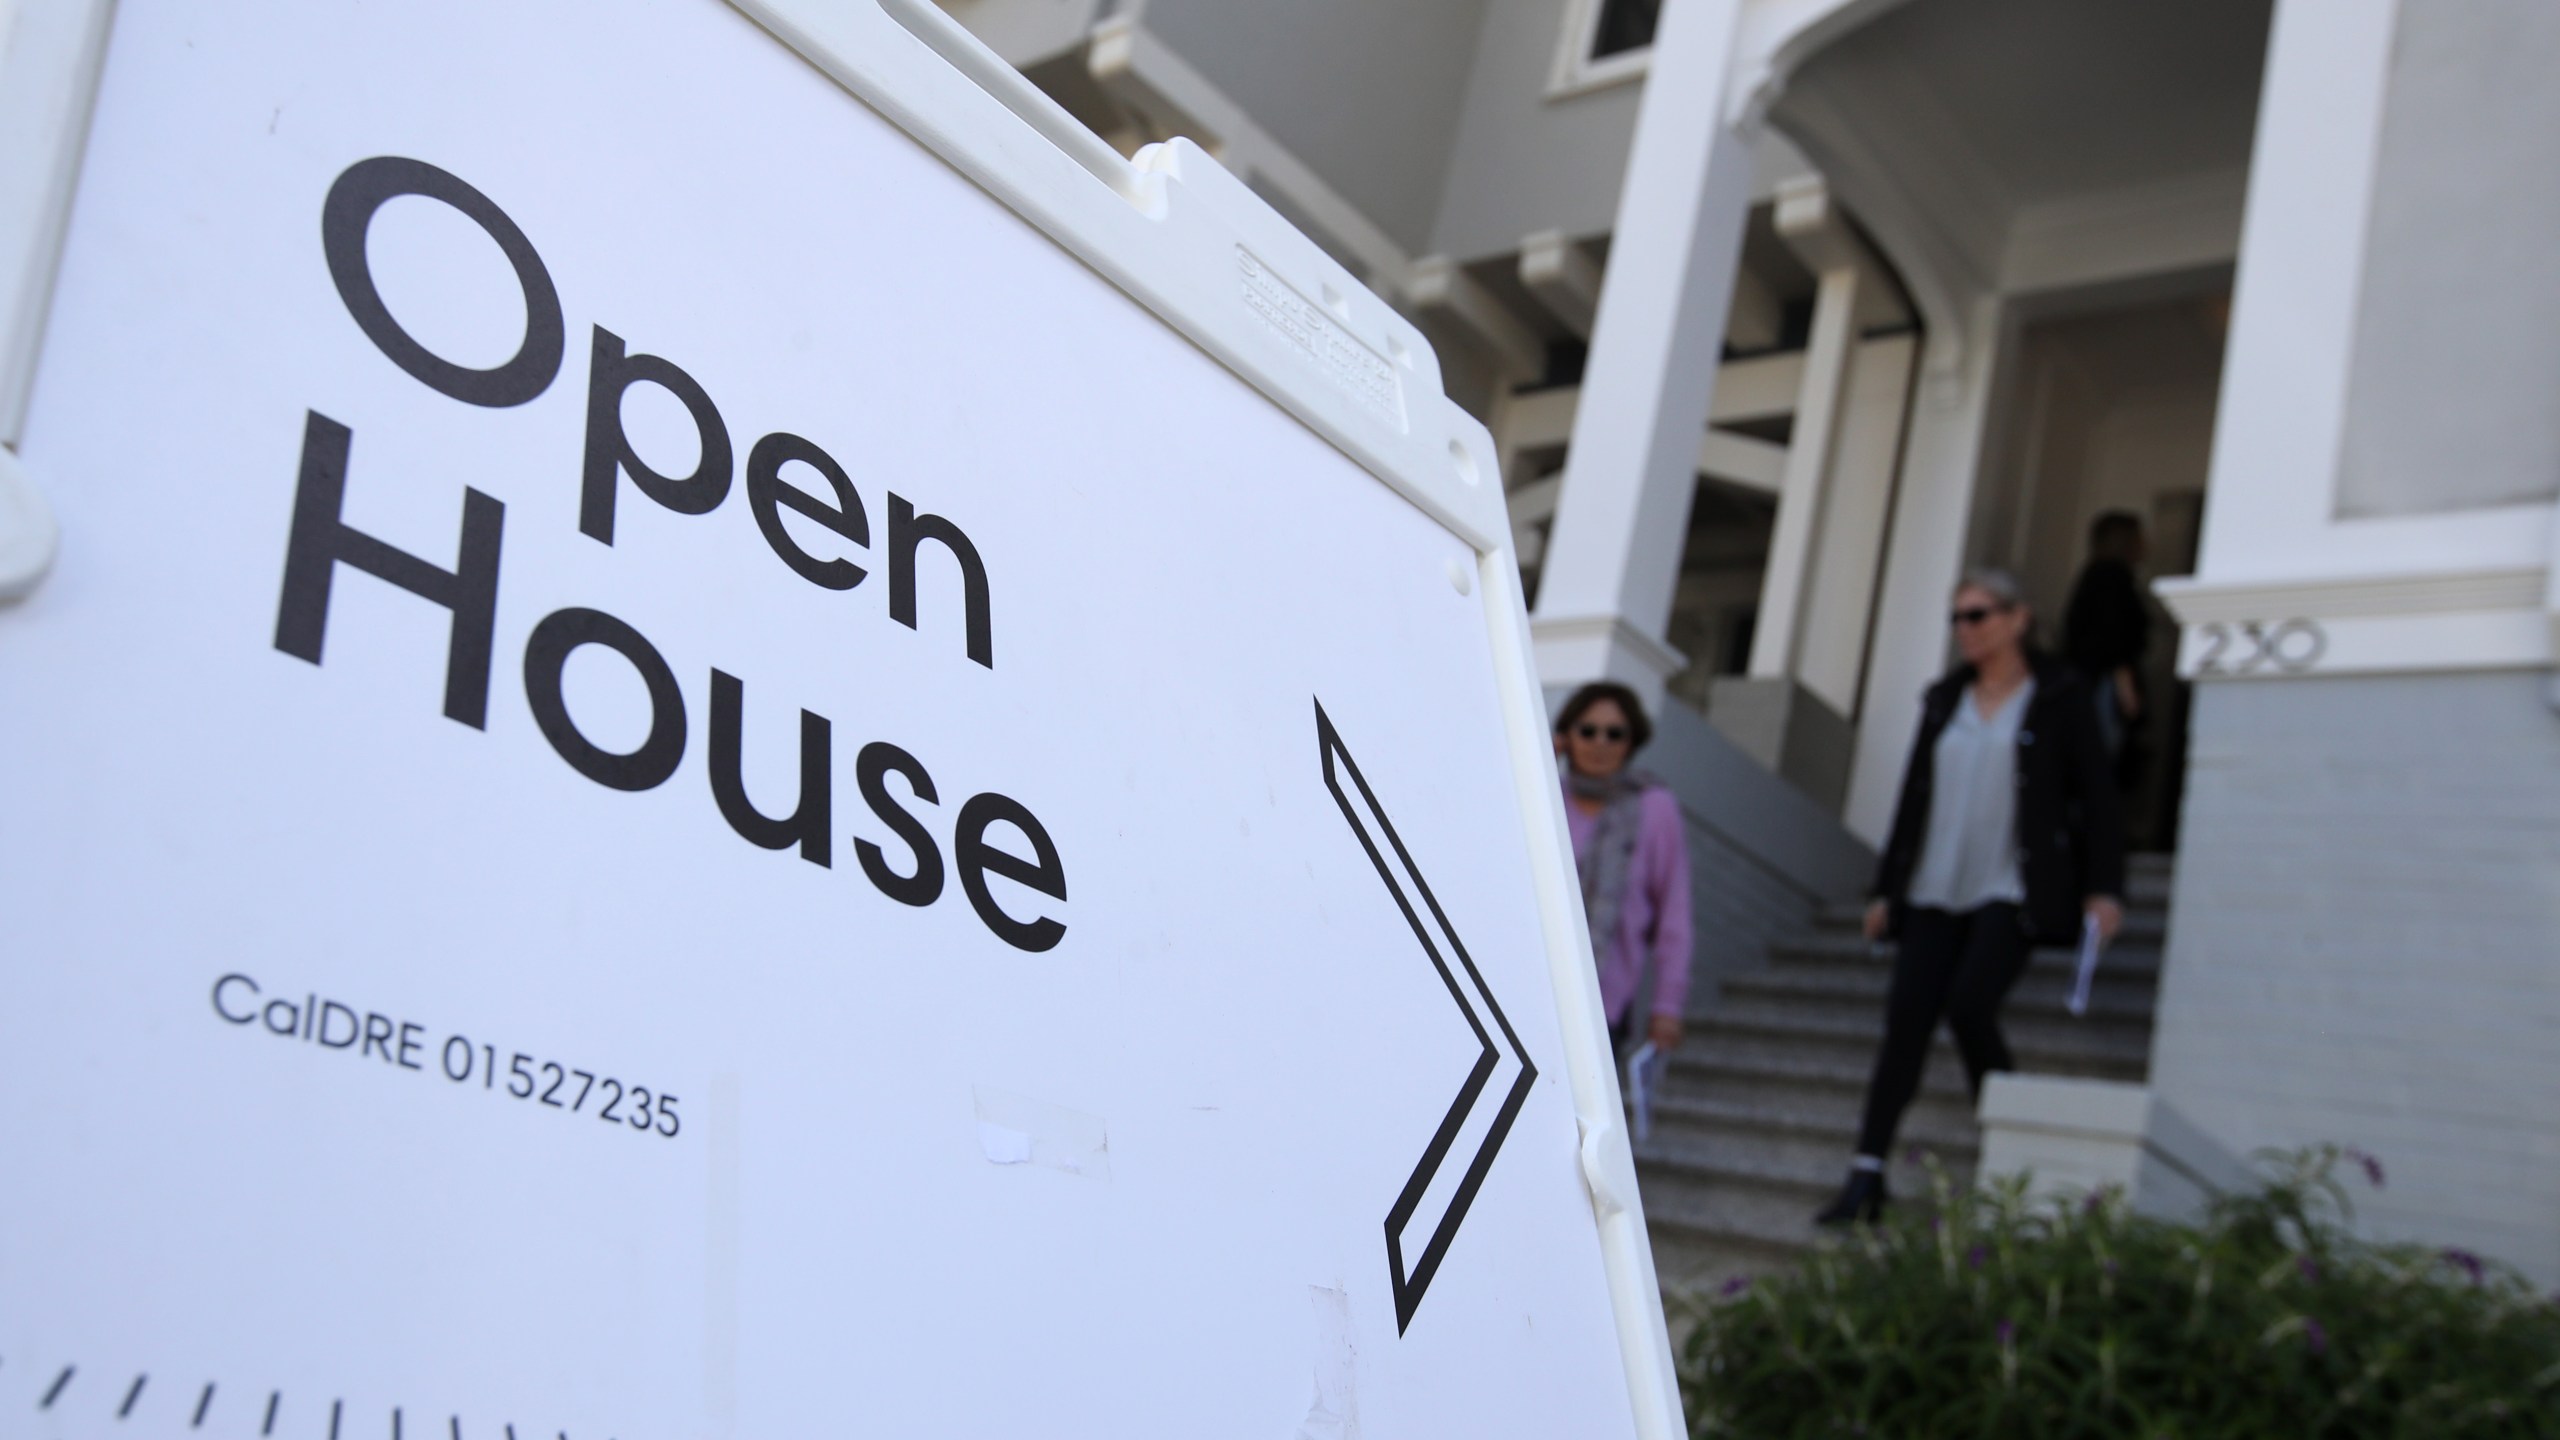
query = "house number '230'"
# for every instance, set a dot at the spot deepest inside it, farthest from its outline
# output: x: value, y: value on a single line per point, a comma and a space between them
x: 2244, y: 647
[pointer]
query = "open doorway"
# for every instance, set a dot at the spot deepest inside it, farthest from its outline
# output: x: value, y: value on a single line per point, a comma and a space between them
x: 2112, y: 414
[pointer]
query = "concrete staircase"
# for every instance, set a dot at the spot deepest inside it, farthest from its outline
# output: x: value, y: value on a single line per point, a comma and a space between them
x: 1754, y: 1128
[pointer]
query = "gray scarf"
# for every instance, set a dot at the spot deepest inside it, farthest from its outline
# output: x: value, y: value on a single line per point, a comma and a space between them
x: 1604, y: 864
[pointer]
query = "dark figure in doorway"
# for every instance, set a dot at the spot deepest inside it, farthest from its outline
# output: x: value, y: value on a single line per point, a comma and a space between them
x: 2006, y: 836
x: 2107, y: 627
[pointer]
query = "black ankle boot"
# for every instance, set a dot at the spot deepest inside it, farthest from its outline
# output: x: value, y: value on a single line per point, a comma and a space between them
x: 1861, y: 1200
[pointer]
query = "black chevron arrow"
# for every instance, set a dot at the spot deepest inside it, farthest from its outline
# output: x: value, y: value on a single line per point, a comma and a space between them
x: 1404, y: 881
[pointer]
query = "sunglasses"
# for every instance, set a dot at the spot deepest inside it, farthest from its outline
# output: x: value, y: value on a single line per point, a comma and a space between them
x: 1611, y: 733
x: 1974, y: 614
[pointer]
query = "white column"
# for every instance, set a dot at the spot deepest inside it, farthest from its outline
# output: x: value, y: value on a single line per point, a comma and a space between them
x: 1857, y: 502
x: 1605, y: 592
x: 1923, y: 557
x: 1806, y: 218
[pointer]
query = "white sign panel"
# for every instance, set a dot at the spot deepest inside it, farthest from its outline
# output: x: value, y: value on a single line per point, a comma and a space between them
x: 678, y: 778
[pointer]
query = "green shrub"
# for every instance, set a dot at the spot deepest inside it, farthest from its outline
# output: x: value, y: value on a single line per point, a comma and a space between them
x: 2000, y: 1316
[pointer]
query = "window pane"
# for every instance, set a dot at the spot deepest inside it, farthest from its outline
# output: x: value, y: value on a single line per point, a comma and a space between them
x: 1624, y: 25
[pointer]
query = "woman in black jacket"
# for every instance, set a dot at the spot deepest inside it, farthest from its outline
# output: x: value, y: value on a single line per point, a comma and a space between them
x: 2007, y: 836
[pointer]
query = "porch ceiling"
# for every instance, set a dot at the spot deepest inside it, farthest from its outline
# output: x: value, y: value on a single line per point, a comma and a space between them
x: 1953, y: 120
x: 2059, y: 97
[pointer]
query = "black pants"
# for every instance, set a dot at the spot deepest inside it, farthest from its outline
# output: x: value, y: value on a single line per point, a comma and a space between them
x: 1955, y: 967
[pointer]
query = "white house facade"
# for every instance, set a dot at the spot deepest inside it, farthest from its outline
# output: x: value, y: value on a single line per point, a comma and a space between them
x: 1786, y: 312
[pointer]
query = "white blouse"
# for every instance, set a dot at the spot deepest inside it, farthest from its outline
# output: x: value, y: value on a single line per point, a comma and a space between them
x: 1969, y: 855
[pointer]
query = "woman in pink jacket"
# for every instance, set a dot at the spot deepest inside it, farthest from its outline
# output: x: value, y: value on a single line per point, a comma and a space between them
x: 1633, y: 859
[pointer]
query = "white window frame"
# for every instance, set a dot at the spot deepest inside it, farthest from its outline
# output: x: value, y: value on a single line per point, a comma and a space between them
x: 1575, y: 72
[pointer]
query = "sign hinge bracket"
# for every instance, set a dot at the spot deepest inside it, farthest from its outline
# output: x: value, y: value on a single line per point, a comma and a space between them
x: 28, y: 535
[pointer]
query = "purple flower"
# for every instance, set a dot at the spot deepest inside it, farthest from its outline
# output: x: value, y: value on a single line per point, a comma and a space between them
x: 1734, y: 1286
x: 2007, y: 1330
x: 2310, y: 1269
x: 2372, y: 1166
x: 2095, y: 1198
x: 1914, y: 1155
x: 2466, y: 1262
x: 1974, y: 1257
x: 2315, y: 1336
x: 2111, y: 1265
x: 1937, y: 1223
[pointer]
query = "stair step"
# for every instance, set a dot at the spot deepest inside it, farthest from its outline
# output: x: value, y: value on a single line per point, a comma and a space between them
x: 2135, y: 995
x: 1759, y: 1032
x: 1680, y: 1119
x: 1713, y: 1219
x: 1816, y: 1085
x: 1818, y: 1143
x: 2146, y: 913
x: 1674, y: 1164
x: 2060, y: 1038
x: 2044, y: 999
x: 1753, y: 1126
x: 1698, y: 1246
x: 2112, y: 1002
x: 2125, y: 959
x: 1752, y: 1061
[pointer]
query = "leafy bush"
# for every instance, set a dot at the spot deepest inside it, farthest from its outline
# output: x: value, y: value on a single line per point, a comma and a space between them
x: 2000, y: 1317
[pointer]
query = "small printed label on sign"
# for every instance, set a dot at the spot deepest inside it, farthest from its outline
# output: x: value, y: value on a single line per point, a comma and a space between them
x: 1362, y: 372
x: 329, y: 1024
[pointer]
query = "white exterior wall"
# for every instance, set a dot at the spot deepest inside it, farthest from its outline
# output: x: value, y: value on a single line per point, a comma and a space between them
x: 2363, y: 949
x: 1367, y: 95
x: 1524, y: 162
x: 2456, y: 298
x: 2273, y: 519
x: 2369, y: 879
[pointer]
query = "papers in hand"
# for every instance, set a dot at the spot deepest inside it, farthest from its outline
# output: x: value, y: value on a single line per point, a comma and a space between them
x: 2091, y: 946
x: 1644, y: 1081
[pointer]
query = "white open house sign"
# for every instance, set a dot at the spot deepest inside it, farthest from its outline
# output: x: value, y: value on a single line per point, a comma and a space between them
x: 710, y: 731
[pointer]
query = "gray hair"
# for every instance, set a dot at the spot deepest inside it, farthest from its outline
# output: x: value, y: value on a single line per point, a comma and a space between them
x: 1997, y: 583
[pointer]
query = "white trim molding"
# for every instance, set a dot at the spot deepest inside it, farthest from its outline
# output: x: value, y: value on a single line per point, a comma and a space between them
x: 1778, y: 36
x: 2073, y: 1136
x: 1605, y: 646
x: 2281, y: 629
x: 1441, y: 290
x: 1575, y: 71
x: 2187, y: 222
x: 2196, y: 601
x: 1563, y: 278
